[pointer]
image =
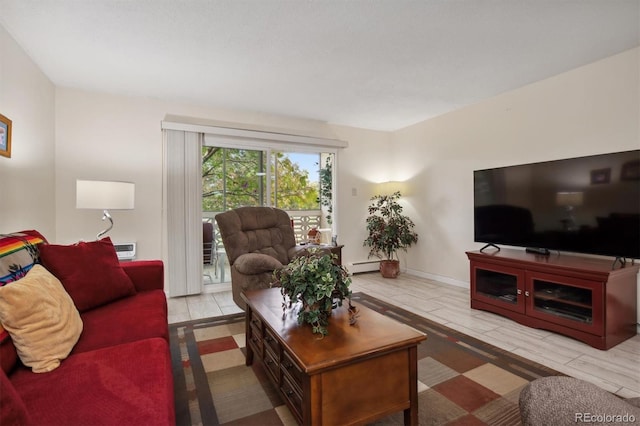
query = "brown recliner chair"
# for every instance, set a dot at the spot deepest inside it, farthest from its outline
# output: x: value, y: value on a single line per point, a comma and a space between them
x: 257, y: 240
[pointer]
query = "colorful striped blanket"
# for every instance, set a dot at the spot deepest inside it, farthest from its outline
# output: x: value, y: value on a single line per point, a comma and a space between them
x: 18, y: 253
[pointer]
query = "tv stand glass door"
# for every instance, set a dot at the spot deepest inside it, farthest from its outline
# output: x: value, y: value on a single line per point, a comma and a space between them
x: 500, y: 286
x: 566, y: 301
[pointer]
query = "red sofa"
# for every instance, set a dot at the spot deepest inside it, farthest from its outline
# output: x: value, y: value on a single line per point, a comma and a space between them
x: 118, y: 372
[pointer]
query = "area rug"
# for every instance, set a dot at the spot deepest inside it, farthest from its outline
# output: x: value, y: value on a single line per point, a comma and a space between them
x: 461, y: 380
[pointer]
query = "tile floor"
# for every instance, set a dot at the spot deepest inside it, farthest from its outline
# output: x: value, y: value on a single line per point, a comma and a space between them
x: 616, y: 370
x: 214, y: 302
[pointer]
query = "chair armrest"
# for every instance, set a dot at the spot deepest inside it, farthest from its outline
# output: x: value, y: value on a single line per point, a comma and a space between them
x: 256, y: 263
x: 145, y: 274
x: 297, y: 251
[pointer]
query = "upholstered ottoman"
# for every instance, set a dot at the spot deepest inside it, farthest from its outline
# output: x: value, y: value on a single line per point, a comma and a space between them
x: 562, y: 401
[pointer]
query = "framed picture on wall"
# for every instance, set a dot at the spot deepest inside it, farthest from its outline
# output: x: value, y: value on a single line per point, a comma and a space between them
x: 630, y: 170
x: 600, y: 176
x: 5, y: 136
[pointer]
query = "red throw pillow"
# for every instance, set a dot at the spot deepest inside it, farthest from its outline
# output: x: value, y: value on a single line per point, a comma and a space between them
x: 90, y: 272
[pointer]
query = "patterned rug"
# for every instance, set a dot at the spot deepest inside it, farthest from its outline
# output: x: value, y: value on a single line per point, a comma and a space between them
x: 461, y: 380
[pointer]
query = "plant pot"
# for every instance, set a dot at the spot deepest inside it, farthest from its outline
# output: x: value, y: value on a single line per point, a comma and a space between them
x: 390, y: 268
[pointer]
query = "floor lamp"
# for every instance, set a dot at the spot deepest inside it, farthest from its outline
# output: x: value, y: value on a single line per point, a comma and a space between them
x: 104, y: 195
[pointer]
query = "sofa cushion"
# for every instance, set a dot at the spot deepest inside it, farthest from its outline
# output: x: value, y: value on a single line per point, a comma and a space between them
x: 18, y: 254
x: 137, y: 317
x: 12, y: 408
x: 89, y: 271
x: 128, y: 384
x: 41, y: 318
x: 8, y: 353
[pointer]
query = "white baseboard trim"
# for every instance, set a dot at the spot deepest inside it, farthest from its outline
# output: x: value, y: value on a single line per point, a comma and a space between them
x: 439, y: 278
x: 363, y: 266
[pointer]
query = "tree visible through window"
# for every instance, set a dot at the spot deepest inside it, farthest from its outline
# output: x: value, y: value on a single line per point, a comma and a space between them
x: 237, y: 177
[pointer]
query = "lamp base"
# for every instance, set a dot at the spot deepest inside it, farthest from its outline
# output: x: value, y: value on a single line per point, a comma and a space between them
x: 105, y: 215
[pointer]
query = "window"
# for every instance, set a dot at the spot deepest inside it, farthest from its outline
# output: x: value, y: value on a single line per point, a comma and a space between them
x: 300, y: 183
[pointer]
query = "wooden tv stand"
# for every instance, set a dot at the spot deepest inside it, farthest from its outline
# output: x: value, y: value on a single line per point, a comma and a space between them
x: 579, y: 297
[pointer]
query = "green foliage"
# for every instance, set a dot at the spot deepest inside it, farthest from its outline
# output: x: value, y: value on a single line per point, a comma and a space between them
x: 326, y: 188
x: 389, y: 230
x: 235, y: 177
x: 234, y: 173
x: 292, y: 189
x: 316, y: 281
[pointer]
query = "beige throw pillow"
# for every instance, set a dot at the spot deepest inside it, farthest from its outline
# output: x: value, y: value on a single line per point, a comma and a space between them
x: 41, y: 318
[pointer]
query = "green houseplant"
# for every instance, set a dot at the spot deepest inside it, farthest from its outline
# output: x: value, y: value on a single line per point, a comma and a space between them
x: 389, y: 231
x: 318, y: 283
x: 326, y: 188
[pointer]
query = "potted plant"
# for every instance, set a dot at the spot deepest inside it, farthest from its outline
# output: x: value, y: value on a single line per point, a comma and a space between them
x: 318, y: 283
x: 389, y: 231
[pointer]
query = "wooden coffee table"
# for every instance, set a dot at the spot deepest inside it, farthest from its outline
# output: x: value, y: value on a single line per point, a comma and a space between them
x: 355, y: 375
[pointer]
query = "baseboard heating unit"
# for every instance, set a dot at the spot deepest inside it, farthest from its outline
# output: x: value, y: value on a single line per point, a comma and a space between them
x: 363, y: 266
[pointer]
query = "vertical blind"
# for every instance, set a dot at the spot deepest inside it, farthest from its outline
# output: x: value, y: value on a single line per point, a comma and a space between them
x: 183, y: 201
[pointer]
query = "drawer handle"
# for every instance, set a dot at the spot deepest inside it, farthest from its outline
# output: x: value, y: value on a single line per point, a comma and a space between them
x: 268, y: 339
x: 288, y: 392
x: 269, y: 361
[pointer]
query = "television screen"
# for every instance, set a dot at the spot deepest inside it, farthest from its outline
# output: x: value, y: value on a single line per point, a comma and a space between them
x: 584, y: 205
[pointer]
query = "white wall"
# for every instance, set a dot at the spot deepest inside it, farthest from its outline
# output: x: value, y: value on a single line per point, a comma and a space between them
x: 108, y: 137
x: 27, y: 190
x: 590, y: 110
x: 360, y: 168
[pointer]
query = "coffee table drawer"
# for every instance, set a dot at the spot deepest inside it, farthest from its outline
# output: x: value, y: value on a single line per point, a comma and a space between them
x: 291, y: 394
x: 255, y: 340
x: 256, y: 323
x: 291, y: 370
x: 272, y: 342
x: 272, y: 364
x: 256, y: 345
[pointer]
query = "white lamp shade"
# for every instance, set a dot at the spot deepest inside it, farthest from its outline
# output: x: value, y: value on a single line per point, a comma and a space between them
x: 104, y: 195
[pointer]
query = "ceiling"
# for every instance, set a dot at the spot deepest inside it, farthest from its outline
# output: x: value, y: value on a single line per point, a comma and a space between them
x: 376, y: 64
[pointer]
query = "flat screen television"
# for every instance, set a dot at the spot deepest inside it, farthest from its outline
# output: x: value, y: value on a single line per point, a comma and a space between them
x: 582, y: 205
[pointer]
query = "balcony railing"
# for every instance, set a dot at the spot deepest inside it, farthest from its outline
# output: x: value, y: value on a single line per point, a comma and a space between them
x: 303, y: 221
